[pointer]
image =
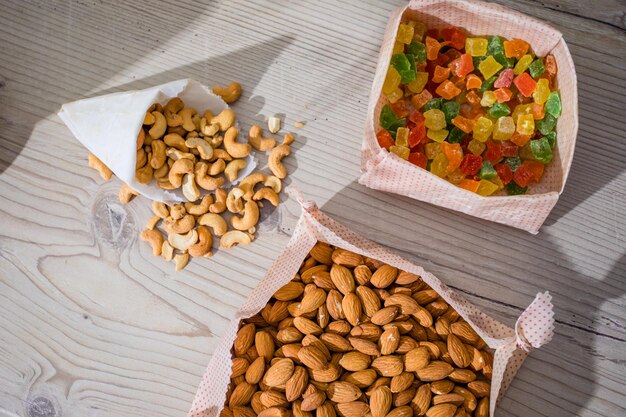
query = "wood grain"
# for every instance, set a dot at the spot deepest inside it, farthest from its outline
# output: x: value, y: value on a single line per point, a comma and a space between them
x: 91, y: 324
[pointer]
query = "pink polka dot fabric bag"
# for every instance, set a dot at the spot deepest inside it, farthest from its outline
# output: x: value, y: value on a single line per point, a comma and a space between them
x: 383, y: 171
x: 533, y: 329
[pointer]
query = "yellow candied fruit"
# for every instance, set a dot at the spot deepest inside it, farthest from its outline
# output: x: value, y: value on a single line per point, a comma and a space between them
x: 398, y: 48
x: 521, y: 109
x: 523, y: 64
x: 392, y: 80
x: 405, y: 33
x: 497, y: 181
x: 486, y: 188
x: 482, y: 129
x: 417, y: 85
x: 488, y: 99
x: 402, y: 151
x: 434, y: 119
x: 419, y: 30
x: 439, y: 166
x: 395, y: 95
x: 432, y: 149
x: 476, y: 47
x: 476, y: 147
x: 437, y: 135
x: 526, y: 124
x: 456, y: 176
x: 504, y: 128
x: 402, y: 137
x: 489, y: 67
x: 542, y: 91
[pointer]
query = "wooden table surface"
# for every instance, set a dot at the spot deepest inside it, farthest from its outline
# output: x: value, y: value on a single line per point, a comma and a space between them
x: 91, y: 324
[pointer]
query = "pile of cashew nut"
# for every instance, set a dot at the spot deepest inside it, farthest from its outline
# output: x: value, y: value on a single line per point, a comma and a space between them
x: 178, y: 147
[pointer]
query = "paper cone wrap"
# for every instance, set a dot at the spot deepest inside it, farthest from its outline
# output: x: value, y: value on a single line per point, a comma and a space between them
x: 384, y: 171
x: 533, y: 329
x: 108, y: 127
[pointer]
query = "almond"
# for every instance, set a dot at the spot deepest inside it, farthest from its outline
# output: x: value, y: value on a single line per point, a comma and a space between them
x: 264, y: 343
x: 469, y: 400
x: 455, y: 399
x: 310, y: 340
x: 416, y: 359
x: 308, y: 263
x: 322, y: 253
x: 313, y: 400
x: 406, y: 344
x: 369, y: 300
x: 437, y: 308
x: 406, y: 278
x: 273, y: 398
x: 289, y: 291
x: 401, y: 382
x: 312, y: 300
x: 368, y: 331
x: 351, y: 306
x: 433, y: 349
x: 295, y: 386
x: 340, y: 327
x: 462, y: 376
x: 323, y: 318
x: 362, y: 274
x: 404, y: 397
x: 425, y: 296
x: 322, y: 279
x: 335, y: 343
x: 384, y: 276
x: 289, y: 335
x: 364, y: 346
x: 406, y: 303
x: 389, y: 341
x: 306, y: 326
x: 226, y: 412
x: 403, y: 326
x: 441, y: 410
x: 342, y: 278
x: 354, y: 361
x: 424, y: 318
x: 242, y: 394
x: 388, y: 365
x: 346, y: 258
x: 479, y: 388
x: 279, y: 373
x: 255, y: 371
x: 442, y: 327
x: 297, y: 410
x: 435, y: 371
x: 460, y: 412
x: 353, y: 409
x: 313, y: 358
x: 478, y: 360
x: 385, y: 315
x: 244, y: 411
x: 239, y: 367
x: 421, y: 401
x: 403, y: 411
x: 343, y: 392
x: 459, y: 354
x: 325, y: 410
x: 482, y: 410
x: 274, y: 412
x: 361, y: 379
x: 244, y: 339
x: 380, y: 401
x: 329, y: 374
x: 464, y: 331
x: 333, y: 304
x: 442, y: 387
x: 291, y: 350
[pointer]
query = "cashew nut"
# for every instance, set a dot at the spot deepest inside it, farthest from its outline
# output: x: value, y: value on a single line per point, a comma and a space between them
x: 149, y: 119
x: 180, y: 168
x: 141, y: 159
x: 144, y: 174
x: 160, y: 209
x: 231, y: 172
x: 215, y: 141
x: 202, y: 208
x: 155, y: 238
x: 274, y: 183
x: 181, y: 260
x: 176, y: 141
x: 221, y: 154
x: 167, y: 251
x: 126, y: 194
x: 152, y: 222
x: 220, y: 201
x: 160, y: 125
x: 174, y: 105
x: 175, y: 154
x: 187, y: 115
x: 273, y: 124
x: 205, y: 181
x: 235, y: 149
x: 249, y: 219
x: 181, y: 225
x: 215, y: 222
x: 177, y: 211
x: 225, y: 120
x: 162, y: 172
x: 205, y: 241
x: 190, y: 189
x: 234, y: 201
x: 158, y: 154
x: 217, y: 167
x: 207, y: 127
x: 178, y: 130
x: 98, y: 165
x: 141, y: 137
x: 233, y: 238
x: 288, y: 139
x: 229, y: 94
x: 182, y: 242
x: 248, y: 183
x: 258, y: 142
x: 267, y: 194
x: 173, y: 119
x: 165, y: 184
x: 203, y: 147
x: 274, y: 161
x: 155, y: 107
x: 196, y: 123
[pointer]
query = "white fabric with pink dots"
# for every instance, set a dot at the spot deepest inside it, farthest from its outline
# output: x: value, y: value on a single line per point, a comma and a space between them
x: 384, y: 171
x: 533, y: 329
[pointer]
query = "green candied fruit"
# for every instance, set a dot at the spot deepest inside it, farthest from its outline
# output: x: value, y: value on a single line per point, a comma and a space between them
x: 541, y: 150
x: 495, y: 47
x: 418, y: 50
x: 405, y: 65
x: 553, y: 104
x: 499, y: 110
x: 451, y: 110
x: 551, y: 137
x: 389, y: 121
x: 487, y: 84
x: 546, y: 125
x: 487, y: 171
x: 536, y: 68
x: 456, y: 135
x: 433, y: 104
x: 513, y: 162
x: 513, y: 189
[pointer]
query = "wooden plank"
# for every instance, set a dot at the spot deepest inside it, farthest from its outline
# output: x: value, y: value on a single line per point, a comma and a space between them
x: 93, y: 325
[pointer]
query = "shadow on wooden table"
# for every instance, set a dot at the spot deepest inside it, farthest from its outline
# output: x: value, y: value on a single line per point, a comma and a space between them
x: 558, y: 380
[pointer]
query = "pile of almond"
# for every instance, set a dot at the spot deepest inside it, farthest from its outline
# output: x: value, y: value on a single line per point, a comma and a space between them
x: 354, y: 337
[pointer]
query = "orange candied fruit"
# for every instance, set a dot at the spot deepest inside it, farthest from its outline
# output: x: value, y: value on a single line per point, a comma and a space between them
x: 473, y: 81
x: 466, y: 125
x: 448, y: 90
x: 538, y: 111
x: 519, y: 140
x: 432, y: 48
x: 472, y: 98
x: 419, y: 100
x: 441, y: 74
x: 515, y: 48
x: 503, y: 94
x: 469, y: 185
x: 400, y: 109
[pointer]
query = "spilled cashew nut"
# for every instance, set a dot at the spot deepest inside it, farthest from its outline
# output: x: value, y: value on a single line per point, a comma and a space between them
x: 183, y: 225
x: 220, y: 201
x: 274, y: 161
x: 180, y: 168
x: 206, y: 181
x: 208, y: 128
x: 144, y: 174
x: 154, y: 238
x: 231, y: 172
x: 177, y: 211
x: 176, y: 141
x: 214, y: 141
x: 202, y: 208
x: 183, y: 241
x: 126, y: 194
x: 249, y: 219
x: 274, y: 183
x: 181, y: 260
x: 165, y: 184
x: 230, y: 93
x: 175, y: 154
x: 267, y: 194
x: 221, y: 154
x: 152, y: 222
x: 187, y: 115
x: 217, y: 167
x: 288, y: 139
x: 234, y: 237
x: 167, y: 251
x: 205, y: 241
x: 273, y: 124
x: 99, y: 166
x: 203, y: 147
x: 235, y: 149
x: 215, y: 222
x: 190, y: 189
x: 225, y: 120
x: 252, y: 180
x: 160, y: 209
x: 234, y: 201
x: 158, y: 154
x: 258, y: 142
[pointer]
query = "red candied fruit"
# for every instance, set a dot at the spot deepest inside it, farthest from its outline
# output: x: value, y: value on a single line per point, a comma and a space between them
x: 419, y: 159
x: 384, y: 139
x: 504, y: 172
x: 471, y: 164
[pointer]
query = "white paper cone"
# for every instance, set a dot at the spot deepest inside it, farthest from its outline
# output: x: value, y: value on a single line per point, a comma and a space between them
x: 108, y: 126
